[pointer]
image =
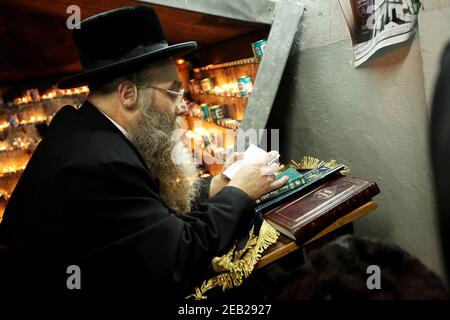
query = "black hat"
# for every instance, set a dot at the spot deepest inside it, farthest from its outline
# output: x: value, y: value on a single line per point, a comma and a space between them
x: 119, y: 42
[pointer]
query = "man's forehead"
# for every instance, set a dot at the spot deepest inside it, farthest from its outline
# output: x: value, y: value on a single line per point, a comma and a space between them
x: 163, y: 71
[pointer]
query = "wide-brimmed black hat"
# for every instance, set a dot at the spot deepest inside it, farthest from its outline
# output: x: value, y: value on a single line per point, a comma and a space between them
x: 119, y: 42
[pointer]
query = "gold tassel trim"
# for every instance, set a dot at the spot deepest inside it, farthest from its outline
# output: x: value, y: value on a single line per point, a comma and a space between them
x: 308, y: 163
x: 235, y: 266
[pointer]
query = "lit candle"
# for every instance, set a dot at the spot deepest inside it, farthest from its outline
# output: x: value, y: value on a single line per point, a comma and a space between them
x: 218, y: 91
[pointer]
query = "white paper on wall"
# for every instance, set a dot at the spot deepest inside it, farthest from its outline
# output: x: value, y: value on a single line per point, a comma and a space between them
x: 376, y: 24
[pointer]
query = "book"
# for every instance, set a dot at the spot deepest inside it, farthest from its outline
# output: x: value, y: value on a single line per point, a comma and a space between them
x: 311, y: 178
x: 309, y: 213
x: 295, y: 180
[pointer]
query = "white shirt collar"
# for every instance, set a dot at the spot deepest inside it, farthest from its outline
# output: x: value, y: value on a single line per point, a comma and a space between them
x: 117, y: 125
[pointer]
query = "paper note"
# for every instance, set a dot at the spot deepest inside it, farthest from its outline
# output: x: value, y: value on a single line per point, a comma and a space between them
x: 254, y: 155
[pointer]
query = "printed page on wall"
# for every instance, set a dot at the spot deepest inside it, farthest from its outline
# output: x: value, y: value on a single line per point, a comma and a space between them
x: 376, y: 24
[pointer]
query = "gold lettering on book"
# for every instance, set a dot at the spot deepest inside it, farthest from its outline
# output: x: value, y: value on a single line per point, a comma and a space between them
x: 325, y: 193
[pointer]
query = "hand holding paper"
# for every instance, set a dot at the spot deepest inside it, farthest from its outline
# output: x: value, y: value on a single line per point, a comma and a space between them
x: 255, y: 155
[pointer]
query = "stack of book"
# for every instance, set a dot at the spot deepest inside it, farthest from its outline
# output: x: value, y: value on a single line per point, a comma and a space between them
x: 312, y: 200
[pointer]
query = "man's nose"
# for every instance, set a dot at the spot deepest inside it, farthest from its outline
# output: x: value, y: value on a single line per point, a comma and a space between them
x: 182, y: 109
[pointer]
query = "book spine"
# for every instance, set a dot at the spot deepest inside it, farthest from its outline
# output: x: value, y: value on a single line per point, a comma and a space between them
x: 306, y: 232
x: 291, y: 185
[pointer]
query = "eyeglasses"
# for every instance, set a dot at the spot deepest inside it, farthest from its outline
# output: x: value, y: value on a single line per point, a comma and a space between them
x: 178, y: 96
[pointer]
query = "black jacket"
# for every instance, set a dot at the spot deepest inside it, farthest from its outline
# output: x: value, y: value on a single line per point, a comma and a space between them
x: 87, y: 198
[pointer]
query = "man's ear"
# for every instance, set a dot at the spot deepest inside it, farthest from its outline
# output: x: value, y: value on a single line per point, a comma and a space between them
x: 127, y: 93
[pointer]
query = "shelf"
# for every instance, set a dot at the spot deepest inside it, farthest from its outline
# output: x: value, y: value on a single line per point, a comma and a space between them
x: 286, y: 245
x: 230, y: 64
x: 63, y: 100
x: 21, y: 125
x: 25, y: 106
x: 30, y: 149
x: 211, y: 167
x: 234, y: 107
x: 4, y: 174
x: 227, y: 136
x: 209, y: 95
x: 192, y: 119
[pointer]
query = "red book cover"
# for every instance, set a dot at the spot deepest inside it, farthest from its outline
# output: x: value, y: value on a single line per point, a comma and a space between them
x: 305, y: 216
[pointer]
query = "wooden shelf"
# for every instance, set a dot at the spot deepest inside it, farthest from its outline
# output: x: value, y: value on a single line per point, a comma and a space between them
x: 226, y: 138
x: 209, y: 95
x: 31, y: 149
x: 285, y: 245
x: 209, y: 124
x: 11, y: 173
x: 21, y: 125
x: 234, y: 107
x: 223, y: 138
x: 229, y: 64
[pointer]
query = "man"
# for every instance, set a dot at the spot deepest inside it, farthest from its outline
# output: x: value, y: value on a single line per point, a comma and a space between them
x: 102, y: 191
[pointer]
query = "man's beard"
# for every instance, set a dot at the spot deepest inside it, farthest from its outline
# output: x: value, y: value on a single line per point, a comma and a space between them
x: 178, y: 180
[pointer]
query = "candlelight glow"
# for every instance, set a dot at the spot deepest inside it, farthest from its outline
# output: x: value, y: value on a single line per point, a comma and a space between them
x: 218, y: 90
x: 34, y: 119
x: 200, y: 131
x: 4, y: 125
x: 12, y: 169
x: 52, y: 94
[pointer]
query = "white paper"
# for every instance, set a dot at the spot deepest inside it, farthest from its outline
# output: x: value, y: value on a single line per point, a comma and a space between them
x: 254, y: 155
x: 376, y: 24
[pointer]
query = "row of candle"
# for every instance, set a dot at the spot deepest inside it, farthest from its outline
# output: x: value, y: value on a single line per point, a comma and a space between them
x: 32, y: 120
x: 33, y: 95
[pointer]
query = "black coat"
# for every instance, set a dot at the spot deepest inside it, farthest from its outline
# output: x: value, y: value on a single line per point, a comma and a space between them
x: 87, y: 197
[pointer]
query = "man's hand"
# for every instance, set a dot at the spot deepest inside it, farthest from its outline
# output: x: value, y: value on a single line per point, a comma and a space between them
x: 220, y: 181
x: 252, y: 180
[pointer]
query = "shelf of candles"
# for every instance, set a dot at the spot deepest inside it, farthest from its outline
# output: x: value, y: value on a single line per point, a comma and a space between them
x: 25, y: 146
x: 229, y: 64
x: 232, y: 80
x: 19, y: 137
x: 11, y: 170
x: 208, y: 147
x: 4, y: 195
x: 204, y: 137
x: 222, y: 124
x: 233, y: 107
x: 219, y: 93
x: 8, y: 181
x: 32, y: 96
x: 3, y: 126
x: 20, y: 142
x: 14, y: 160
x: 240, y: 87
x: 31, y: 121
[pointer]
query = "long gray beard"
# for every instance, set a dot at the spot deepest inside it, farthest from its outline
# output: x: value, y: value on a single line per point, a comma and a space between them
x: 153, y: 139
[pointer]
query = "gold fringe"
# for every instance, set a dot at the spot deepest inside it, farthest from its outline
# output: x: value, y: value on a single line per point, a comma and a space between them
x: 308, y: 163
x: 235, y: 266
